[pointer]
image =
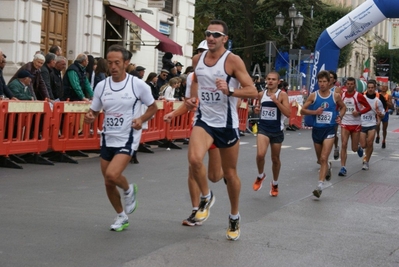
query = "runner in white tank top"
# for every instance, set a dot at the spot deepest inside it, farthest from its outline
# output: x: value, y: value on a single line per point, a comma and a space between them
x: 215, y: 85
x: 119, y: 96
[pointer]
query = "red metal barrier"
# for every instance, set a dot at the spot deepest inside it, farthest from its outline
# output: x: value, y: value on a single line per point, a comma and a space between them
x: 70, y: 133
x: 156, y: 126
x: 24, y: 129
x: 179, y: 127
x: 243, y: 116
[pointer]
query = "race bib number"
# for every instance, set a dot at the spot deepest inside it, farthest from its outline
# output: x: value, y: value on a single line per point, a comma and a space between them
x: 269, y: 113
x: 350, y: 107
x: 114, y: 122
x: 324, y: 118
x: 209, y: 97
x: 367, y: 117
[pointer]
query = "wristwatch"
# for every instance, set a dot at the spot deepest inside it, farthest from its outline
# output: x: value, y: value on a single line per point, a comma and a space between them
x: 231, y: 91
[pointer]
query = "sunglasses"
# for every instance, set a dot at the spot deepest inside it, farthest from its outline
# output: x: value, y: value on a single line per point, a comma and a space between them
x: 215, y: 34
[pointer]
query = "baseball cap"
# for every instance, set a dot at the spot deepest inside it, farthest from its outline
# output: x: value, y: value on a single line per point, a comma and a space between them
x: 178, y: 64
x: 24, y: 74
x: 140, y: 68
x: 203, y: 45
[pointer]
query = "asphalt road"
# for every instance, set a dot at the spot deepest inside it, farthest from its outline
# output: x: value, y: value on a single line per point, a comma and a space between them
x: 59, y: 215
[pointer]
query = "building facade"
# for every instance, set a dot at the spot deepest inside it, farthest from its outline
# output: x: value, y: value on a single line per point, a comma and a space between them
x: 147, y: 29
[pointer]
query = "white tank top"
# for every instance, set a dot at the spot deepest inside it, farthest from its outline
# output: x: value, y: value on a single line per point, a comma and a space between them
x: 215, y: 108
x: 121, y: 103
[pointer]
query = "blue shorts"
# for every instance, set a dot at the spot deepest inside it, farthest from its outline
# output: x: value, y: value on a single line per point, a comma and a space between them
x: 108, y: 153
x: 275, y: 138
x: 386, y: 117
x: 322, y: 133
x: 222, y: 137
x: 365, y: 129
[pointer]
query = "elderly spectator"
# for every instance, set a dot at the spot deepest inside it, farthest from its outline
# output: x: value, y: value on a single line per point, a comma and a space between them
x: 56, y: 77
x: 47, y: 70
x: 55, y: 49
x: 21, y: 87
x: 38, y: 85
x: 152, y: 79
x: 4, y: 90
x: 140, y: 70
x: 76, y: 84
x: 162, y: 78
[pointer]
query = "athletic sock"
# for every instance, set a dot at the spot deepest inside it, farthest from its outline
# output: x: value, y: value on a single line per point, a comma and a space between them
x: 260, y: 175
x: 320, y: 186
x: 207, y: 196
x: 127, y: 192
x: 275, y: 182
x: 235, y: 217
x: 122, y: 213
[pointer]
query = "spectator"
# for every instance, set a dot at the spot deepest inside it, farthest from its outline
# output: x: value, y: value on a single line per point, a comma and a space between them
x: 21, y: 87
x: 140, y: 70
x: 162, y: 78
x: 4, y: 90
x: 56, y: 77
x: 131, y: 67
x: 167, y: 63
x: 91, y: 66
x: 188, y: 70
x: 181, y: 90
x: 179, y: 67
x: 76, y: 83
x: 101, y: 71
x: 172, y: 73
x: 38, y: 85
x: 47, y: 70
x: 55, y: 49
x: 152, y: 79
x: 169, y: 92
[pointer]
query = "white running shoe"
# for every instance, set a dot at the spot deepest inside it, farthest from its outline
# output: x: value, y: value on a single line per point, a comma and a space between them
x: 365, y: 166
x: 121, y: 222
x: 130, y: 200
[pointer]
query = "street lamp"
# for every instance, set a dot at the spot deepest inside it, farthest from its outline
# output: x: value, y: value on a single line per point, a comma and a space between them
x: 296, y: 22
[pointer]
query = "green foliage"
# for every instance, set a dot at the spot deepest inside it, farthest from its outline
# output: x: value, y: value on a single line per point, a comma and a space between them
x: 382, y: 51
x: 252, y: 23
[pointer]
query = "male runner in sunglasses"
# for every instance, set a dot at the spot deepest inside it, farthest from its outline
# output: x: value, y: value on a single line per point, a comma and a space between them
x: 218, y: 74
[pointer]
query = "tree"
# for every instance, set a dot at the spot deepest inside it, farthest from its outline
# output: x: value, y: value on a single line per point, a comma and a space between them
x: 383, y: 52
x: 252, y: 22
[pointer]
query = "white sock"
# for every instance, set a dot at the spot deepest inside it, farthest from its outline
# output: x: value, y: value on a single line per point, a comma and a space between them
x: 127, y: 192
x: 260, y: 175
x: 207, y: 196
x: 195, y: 208
x: 235, y: 217
x: 122, y: 214
x: 275, y: 182
x: 320, y: 186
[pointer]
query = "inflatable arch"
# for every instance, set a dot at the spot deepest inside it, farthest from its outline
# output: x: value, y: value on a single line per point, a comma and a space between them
x: 350, y: 27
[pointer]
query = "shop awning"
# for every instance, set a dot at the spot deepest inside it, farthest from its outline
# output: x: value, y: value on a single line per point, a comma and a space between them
x: 165, y: 44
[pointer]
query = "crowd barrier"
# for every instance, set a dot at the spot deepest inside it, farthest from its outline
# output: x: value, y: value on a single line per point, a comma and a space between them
x: 34, y: 132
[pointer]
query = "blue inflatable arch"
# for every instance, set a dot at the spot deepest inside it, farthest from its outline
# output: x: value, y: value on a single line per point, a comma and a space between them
x: 347, y: 29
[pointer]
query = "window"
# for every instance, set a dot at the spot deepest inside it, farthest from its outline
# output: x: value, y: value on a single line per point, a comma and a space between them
x: 168, y: 6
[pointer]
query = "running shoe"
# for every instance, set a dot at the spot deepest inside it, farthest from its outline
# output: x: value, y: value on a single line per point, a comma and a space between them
x: 273, y: 190
x: 258, y: 183
x: 121, y: 222
x: 190, y: 220
x: 365, y: 166
x: 360, y: 151
x: 383, y: 145
x: 328, y: 175
x: 233, y: 232
x: 130, y: 200
x: 204, y: 208
x: 317, y: 192
x: 336, y: 153
x: 342, y: 172
x: 377, y: 140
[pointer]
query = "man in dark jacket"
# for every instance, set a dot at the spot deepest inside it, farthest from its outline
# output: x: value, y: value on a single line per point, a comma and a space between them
x: 76, y: 85
x: 56, y: 77
x: 38, y: 84
x: 47, y: 70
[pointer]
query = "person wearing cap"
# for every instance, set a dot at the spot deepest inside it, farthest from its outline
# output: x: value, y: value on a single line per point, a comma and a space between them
x: 162, y: 78
x: 38, y: 85
x: 140, y: 70
x: 179, y: 67
x: 21, y: 87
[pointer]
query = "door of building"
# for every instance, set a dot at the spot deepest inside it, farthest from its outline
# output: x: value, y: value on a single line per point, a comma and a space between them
x: 54, y: 25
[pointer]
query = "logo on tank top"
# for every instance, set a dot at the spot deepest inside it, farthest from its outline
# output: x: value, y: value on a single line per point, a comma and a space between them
x: 324, y: 105
x: 219, y: 74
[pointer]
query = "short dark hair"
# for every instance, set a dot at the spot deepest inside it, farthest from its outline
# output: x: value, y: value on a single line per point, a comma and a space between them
x: 220, y: 22
x: 334, y: 74
x: 49, y: 57
x: 54, y: 49
x: 119, y: 48
x: 374, y: 82
x: 351, y: 79
x: 323, y: 74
